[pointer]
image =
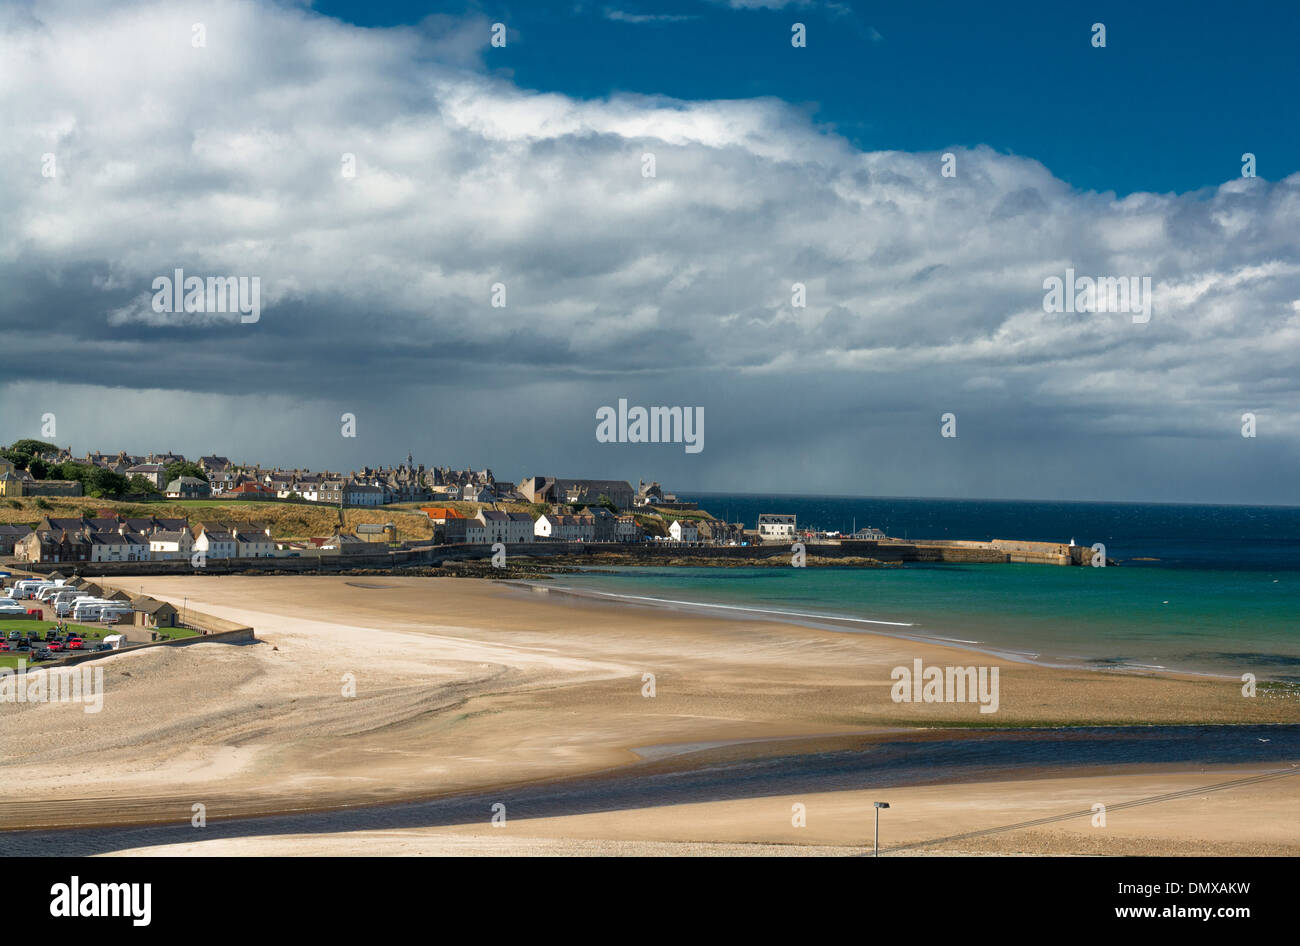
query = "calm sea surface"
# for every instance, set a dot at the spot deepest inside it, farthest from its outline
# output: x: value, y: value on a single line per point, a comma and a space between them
x: 1202, y: 588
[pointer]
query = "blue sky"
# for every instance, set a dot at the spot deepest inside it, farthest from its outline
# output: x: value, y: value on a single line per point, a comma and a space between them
x: 1178, y: 94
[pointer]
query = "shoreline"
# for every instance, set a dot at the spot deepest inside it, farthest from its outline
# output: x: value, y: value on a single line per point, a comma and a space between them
x: 472, y: 689
x: 827, y: 622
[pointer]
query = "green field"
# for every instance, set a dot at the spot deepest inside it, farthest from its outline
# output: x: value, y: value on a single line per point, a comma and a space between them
x: 10, y: 658
x: 18, y: 624
x: 91, y: 635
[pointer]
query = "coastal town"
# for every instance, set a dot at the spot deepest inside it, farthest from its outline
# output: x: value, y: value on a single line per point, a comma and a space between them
x: 118, y: 509
x: 453, y: 507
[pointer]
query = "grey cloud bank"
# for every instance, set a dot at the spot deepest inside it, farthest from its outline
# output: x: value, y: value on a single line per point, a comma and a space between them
x: 924, y: 293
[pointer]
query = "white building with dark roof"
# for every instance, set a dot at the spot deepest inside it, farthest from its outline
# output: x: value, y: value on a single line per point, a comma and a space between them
x: 776, y: 526
x: 167, y: 545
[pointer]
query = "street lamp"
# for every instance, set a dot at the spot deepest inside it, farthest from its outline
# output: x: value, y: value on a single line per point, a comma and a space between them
x: 875, y: 847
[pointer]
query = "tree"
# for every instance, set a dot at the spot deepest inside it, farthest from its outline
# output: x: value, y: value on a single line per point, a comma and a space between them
x: 96, y: 481
x: 21, y: 452
x: 105, y: 483
x: 181, y: 468
x: 38, y: 468
x: 69, y: 471
x: 138, y: 484
x: 603, y: 500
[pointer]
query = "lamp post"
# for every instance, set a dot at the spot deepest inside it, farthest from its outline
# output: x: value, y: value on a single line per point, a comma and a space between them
x: 875, y: 847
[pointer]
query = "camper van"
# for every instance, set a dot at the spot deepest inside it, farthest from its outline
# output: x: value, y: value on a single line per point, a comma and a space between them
x: 28, y: 587
x: 45, y: 594
x: 63, y: 606
x: 99, y: 609
x: 89, y: 609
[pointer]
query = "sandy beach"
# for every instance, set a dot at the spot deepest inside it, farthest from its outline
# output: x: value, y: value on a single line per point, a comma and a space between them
x: 365, y: 692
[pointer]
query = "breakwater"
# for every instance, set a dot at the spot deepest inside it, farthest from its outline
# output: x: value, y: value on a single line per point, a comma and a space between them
x: 996, y: 551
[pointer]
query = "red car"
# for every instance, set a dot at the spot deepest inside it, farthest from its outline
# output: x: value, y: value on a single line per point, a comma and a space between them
x: 75, y: 643
x: 4, y: 645
x: 54, y: 645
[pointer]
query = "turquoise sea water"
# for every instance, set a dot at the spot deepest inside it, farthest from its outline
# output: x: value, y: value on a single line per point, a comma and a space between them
x: 1223, y: 597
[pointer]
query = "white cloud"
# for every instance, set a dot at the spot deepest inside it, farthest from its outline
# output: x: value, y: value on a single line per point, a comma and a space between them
x: 226, y: 160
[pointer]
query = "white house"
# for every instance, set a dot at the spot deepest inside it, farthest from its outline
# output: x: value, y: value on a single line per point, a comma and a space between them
x: 188, y: 487
x: 214, y: 544
x: 508, y: 527
x: 153, y: 472
x: 169, y: 545
x: 626, y: 530
x: 776, y: 526
x: 250, y: 544
x: 474, y: 493
x: 683, y: 530
x: 476, y: 533
x: 565, y: 528
x: 547, y: 526
x: 117, y: 547
x: 359, y: 494
x: 521, y: 527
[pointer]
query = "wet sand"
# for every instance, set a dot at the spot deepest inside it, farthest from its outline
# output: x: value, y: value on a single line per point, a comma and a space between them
x: 472, y: 686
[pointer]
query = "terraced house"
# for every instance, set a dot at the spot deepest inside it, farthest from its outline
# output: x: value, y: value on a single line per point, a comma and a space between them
x: 165, y: 545
x: 508, y: 527
x: 118, y: 547
x: 215, y: 543
x: 50, y: 546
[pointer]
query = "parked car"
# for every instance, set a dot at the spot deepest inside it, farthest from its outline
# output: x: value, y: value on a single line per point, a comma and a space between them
x: 42, y: 654
x: 4, y: 645
x: 76, y: 643
x: 104, y: 647
x: 54, y: 645
x: 23, y: 645
x: 14, y: 635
